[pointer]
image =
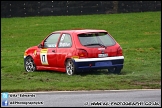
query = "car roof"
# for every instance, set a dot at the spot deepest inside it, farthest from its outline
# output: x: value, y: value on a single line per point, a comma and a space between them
x: 79, y: 31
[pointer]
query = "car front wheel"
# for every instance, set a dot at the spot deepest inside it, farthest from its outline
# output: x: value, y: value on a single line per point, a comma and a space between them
x: 29, y: 64
x: 114, y: 70
x: 70, y: 67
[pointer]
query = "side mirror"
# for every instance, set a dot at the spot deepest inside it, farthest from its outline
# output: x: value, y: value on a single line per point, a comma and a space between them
x: 40, y: 46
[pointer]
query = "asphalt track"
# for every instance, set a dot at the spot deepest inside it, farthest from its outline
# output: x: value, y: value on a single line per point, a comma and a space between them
x: 97, y: 98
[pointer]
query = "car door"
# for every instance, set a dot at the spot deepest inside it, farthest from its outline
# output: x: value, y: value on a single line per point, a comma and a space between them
x: 47, y: 54
x: 64, y: 50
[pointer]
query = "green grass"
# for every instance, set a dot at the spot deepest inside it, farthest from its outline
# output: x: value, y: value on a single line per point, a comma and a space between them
x: 139, y: 34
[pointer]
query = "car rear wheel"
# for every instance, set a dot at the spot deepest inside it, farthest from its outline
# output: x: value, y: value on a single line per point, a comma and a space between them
x: 29, y: 65
x: 70, y: 67
x: 114, y: 70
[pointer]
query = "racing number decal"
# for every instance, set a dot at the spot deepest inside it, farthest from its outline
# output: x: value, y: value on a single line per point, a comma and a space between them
x: 43, y: 56
x: 63, y: 36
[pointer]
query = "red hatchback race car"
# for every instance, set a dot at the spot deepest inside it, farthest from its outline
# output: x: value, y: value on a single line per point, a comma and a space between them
x: 74, y: 51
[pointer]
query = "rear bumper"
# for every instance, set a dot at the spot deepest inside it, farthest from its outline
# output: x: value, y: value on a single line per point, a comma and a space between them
x: 99, y: 63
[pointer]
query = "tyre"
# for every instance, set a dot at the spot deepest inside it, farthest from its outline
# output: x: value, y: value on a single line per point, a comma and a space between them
x: 29, y: 64
x: 70, y: 67
x: 114, y: 70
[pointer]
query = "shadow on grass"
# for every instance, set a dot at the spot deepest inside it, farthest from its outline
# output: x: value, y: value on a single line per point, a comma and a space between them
x: 50, y: 71
x: 88, y: 72
x: 98, y: 72
x: 92, y: 72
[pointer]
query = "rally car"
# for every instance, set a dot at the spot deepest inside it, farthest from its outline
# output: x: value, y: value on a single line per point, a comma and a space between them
x: 73, y: 51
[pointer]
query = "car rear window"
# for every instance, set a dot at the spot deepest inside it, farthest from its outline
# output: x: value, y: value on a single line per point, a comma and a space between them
x: 102, y: 38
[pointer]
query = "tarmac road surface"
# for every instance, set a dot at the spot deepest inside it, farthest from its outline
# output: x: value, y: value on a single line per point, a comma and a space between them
x: 97, y: 98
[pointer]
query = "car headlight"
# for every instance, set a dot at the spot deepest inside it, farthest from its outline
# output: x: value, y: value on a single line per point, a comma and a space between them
x: 25, y: 54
